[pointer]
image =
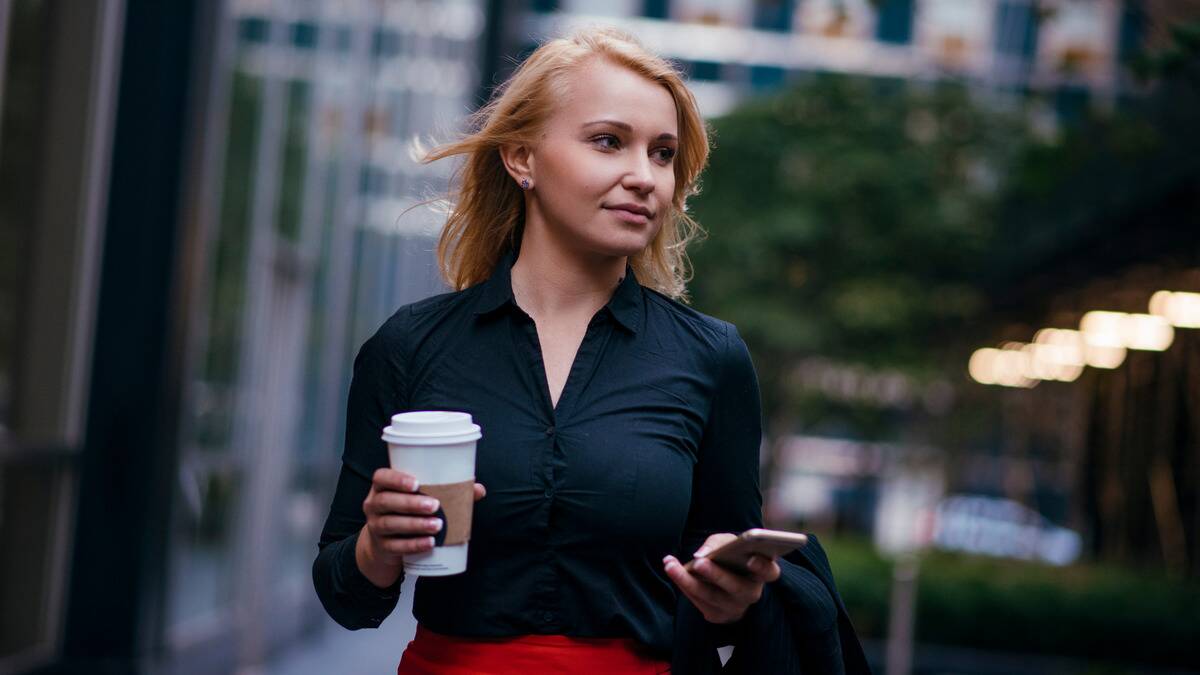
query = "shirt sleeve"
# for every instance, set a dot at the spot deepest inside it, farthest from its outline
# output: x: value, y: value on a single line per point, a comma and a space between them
x: 377, y: 391
x: 725, y: 492
x: 725, y: 489
x: 726, y: 498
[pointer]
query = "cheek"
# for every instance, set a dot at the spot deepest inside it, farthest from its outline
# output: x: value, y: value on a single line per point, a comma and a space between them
x: 666, y: 189
x: 583, y: 177
x: 568, y: 187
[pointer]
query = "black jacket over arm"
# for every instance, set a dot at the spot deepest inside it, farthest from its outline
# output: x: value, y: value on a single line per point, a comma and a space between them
x: 799, y: 626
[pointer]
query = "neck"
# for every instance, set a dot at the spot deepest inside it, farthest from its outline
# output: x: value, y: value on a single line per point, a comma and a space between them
x: 551, y: 281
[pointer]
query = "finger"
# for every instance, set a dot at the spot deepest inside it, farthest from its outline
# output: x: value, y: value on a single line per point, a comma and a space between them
x: 696, y: 589
x: 407, y: 545
x: 714, y: 542
x: 406, y: 526
x: 734, y: 590
x: 697, y: 592
x: 480, y: 491
x: 393, y: 479
x: 401, y: 503
x: 732, y: 583
x: 711, y: 612
x: 764, y: 569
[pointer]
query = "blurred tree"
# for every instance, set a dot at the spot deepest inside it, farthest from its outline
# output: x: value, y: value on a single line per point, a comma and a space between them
x: 851, y: 218
x: 1084, y: 183
x: 1112, y: 204
x: 888, y: 225
x: 1177, y: 61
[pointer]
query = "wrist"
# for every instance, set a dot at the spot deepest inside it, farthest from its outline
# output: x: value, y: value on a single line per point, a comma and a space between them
x: 374, y: 565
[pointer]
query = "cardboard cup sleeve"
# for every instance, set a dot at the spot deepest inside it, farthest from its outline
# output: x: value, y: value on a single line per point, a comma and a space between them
x: 456, y: 503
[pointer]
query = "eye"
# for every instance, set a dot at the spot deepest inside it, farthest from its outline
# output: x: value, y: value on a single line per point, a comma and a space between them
x: 606, y: 141
x: 664, y: 154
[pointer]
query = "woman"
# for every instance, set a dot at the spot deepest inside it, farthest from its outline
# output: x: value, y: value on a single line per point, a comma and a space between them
x: 621, y: 428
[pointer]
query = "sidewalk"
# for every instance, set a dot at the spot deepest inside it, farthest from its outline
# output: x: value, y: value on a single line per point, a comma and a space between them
x: 360, y: 652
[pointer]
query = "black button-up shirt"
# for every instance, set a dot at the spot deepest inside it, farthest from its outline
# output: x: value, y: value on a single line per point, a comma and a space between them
x: 652, y: 447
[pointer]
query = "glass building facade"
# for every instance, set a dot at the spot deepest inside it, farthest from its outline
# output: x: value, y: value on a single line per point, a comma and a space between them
x: 311, y: 245
x: 291, y: 221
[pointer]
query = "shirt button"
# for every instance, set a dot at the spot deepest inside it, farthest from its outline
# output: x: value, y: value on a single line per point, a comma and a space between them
x: 549, y: 431
x: 548, y: 617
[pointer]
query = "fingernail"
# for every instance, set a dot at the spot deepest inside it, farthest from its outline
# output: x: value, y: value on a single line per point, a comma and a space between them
x: 430, y: 504
x: 702, y: 551
x: 431, y: 541
x: 436, y: 524
x: 416, y: 485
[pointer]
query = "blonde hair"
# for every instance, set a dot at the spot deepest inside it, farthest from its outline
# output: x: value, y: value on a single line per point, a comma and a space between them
x: 488, y: 210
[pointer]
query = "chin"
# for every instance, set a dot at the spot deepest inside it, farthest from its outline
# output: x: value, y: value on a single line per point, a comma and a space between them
x: 625, y: 248
x: 632, y: 243
x: 618, y: 244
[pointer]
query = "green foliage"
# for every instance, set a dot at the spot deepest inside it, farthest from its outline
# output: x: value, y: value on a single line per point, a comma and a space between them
x: 1097, y: 177
x: 880, y: 223
x: 1180, y: 59
x: 850, y: 218
x: 1085, y: 611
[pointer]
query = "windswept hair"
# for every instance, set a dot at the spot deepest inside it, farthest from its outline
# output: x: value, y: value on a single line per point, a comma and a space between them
x: 487, y: 209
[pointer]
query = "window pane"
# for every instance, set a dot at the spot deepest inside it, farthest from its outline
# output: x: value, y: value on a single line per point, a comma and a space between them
x: 31, y: 499
x: 211, y: 475
x: 20, y: 134
x: 291, y: 192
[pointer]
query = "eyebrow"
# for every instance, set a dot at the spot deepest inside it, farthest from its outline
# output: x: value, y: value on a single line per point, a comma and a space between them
x: 626, y: 127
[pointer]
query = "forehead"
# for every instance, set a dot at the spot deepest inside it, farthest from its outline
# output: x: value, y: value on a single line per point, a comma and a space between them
x: 603, y: 90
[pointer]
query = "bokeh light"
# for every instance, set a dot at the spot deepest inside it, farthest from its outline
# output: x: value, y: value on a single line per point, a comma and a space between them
x: 1181, y: 309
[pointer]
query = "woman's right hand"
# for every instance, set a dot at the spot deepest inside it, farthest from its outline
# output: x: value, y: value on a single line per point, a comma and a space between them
x: 399, y: 523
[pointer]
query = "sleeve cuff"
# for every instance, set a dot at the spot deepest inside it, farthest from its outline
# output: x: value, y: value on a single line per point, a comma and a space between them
x: 375, y: 603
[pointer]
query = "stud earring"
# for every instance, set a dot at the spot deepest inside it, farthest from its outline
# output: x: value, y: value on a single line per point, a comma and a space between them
x: 524, y: 183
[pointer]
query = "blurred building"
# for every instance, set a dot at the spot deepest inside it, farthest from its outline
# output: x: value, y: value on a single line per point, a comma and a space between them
x: 1071, y: 49
x: 203, y: 216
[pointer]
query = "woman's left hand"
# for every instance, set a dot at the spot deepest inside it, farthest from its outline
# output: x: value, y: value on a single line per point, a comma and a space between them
x: 721, y: 595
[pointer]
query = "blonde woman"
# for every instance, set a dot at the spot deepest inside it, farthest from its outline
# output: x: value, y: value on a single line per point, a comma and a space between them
x: 621, y: 428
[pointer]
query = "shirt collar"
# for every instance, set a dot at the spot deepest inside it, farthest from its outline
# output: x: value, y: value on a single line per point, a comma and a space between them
x: 626, y: 304
x: 497, y: 290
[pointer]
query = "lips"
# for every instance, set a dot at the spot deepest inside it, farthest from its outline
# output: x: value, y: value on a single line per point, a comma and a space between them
x: 633, y: 208
x: 631, y: 213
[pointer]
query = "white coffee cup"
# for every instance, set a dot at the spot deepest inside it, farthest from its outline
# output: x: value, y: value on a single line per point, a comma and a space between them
x: 438, y: 448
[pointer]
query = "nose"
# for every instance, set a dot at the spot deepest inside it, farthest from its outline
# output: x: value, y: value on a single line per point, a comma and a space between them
x: 640, y: 175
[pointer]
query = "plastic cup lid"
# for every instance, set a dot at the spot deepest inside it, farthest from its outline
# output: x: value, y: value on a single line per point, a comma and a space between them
x: 431, y: 427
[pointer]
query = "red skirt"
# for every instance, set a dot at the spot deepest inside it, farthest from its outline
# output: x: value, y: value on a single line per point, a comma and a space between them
x: 432, y: 653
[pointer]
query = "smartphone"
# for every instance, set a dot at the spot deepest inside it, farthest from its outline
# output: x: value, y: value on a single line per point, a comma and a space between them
x: 736, y: 553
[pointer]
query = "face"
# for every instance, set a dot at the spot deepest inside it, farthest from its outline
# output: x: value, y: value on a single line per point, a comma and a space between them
x: 603, y: 169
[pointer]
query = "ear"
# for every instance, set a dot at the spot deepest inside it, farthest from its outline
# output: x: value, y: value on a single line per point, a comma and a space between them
x: 518, y: 161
